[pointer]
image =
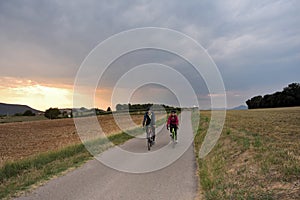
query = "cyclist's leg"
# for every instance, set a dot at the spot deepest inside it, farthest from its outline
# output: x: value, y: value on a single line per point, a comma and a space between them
x: 153, y: 133
x: 175, y: 129
x: 147, y: 132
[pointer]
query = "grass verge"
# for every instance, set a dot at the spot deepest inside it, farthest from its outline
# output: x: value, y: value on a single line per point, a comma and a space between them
x: 256, y: 157
x: 21, y: 175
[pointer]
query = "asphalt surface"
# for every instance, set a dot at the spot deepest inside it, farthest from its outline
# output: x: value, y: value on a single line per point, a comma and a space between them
x: 95, y: 180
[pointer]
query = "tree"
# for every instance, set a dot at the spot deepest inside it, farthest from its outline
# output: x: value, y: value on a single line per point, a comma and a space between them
x: 254, y: 102
x: 119, y: 107
x: 108, y: 109
x: 28, y: 113
x: 99, y: 111
x: 122, y: 107
x: 290, y: 96
x: 52, y: 113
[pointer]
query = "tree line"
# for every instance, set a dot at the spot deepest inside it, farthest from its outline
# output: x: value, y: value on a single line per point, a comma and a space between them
x: 143, y: 107
x: 290, y: 96
x: 26, y: 113
x: 55, y: 113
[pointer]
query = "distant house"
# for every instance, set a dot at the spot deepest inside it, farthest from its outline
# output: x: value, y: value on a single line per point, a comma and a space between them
x: 66, y: 112
x: 40, y: 113
x: 83, y: 112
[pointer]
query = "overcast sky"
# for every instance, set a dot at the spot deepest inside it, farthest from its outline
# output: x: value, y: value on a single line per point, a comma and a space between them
x: 254, y: 43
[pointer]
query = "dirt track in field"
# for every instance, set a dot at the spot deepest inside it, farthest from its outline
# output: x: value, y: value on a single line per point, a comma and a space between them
x: 22, y: 139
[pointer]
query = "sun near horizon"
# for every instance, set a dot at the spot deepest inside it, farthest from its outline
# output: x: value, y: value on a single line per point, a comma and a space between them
x: 39, y: 96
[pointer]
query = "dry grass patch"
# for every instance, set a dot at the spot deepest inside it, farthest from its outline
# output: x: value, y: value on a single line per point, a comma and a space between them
x: 256, y: 157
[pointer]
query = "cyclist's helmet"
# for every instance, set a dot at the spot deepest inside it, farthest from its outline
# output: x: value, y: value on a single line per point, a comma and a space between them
x: 173, y: 111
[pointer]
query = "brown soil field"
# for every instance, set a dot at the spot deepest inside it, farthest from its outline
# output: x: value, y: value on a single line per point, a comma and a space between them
x: 22, y: 139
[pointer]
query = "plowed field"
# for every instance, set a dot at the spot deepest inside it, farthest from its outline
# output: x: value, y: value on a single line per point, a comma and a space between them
x: 23, y: 139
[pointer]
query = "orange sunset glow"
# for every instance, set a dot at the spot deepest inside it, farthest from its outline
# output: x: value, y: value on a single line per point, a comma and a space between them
x: 38, y: 95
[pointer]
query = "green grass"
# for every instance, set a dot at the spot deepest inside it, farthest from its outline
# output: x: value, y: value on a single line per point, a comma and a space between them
x: 9, y: 119
x: 21, y: 175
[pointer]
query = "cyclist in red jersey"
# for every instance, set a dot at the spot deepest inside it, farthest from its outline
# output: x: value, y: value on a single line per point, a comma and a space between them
x: 173, y: 123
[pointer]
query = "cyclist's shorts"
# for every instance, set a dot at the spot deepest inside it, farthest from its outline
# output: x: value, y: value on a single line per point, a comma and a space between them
x: 173, y: 126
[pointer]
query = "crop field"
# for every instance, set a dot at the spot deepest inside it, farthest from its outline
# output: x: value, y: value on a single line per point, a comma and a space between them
x: 9, y: 119
x: 22, y: 139
x: 256, y: 157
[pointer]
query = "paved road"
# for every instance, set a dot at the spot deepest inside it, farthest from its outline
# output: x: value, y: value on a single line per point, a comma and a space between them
x: 95, y: 180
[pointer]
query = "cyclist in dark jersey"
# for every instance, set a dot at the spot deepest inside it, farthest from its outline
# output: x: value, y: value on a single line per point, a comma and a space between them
x: 173, y: 123
x: 149, y: 120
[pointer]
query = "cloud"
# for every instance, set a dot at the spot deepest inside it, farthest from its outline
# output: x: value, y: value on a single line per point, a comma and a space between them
x: 255, y: 44
x: 28, y: 92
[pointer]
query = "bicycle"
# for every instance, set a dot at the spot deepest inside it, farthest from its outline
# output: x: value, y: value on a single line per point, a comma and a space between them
x: 149, y: 133
x: 173, y: 136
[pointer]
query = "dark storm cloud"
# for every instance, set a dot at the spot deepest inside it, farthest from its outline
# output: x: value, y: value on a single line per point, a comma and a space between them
x: 47, y: 37
x: 255, y: 44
